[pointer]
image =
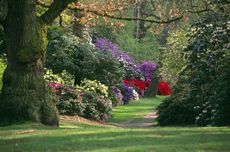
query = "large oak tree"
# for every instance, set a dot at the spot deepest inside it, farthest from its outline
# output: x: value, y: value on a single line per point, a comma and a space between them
x: 24, y: 95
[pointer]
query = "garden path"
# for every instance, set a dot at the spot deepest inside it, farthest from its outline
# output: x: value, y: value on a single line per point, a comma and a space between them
x: 145, y: 122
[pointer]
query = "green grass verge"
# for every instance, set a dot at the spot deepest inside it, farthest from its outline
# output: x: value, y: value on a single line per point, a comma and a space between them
x: 74, y: 136
x: 135, y: 110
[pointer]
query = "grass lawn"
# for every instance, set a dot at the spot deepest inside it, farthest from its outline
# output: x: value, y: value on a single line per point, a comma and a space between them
x: 136, y: 109
x: 74, y: 136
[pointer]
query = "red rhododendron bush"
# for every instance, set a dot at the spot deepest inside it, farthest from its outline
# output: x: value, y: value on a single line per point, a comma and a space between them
x: 164, y: 88
x: 141, y: 85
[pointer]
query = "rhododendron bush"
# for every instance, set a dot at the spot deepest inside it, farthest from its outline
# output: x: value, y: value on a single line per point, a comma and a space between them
x: 139, y: 84
x: 148, y: 68
x: 164, y: 88
x: 126, y: 61
x: 105, y: 45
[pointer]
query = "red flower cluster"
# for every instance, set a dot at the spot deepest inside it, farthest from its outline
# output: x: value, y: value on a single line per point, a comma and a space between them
x: 140, y: 84
x: 164, y: 89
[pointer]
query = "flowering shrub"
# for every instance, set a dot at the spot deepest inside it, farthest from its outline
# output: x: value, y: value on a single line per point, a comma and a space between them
x: 60, y: 78
x: 105, y: 45
x: 83, y: 103
x: 69, y: 102
x: 148, y: 68
x: 55, y: 87
x: 164, y: 88
x: 118, y: 96
x: 126, y: 62
x: 94, y: 87
x: 139, y: 84
x: 127, y: 93
x: 96, y: 106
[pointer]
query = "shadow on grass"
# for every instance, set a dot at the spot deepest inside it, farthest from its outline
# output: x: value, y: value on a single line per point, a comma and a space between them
x: 159, y: 139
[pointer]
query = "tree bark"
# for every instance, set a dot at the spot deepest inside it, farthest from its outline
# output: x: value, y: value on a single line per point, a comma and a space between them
x: 139, y: 26
x: 24, y: 95
x: 153, y: 87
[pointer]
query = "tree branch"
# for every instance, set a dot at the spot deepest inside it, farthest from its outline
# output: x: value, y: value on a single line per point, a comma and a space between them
x: 104, y: 14
x: 55, y: 9
x: 131, y: 18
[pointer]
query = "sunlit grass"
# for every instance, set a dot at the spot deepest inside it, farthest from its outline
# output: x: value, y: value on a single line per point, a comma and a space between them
x: 71, y: 136
x: 137, y: 109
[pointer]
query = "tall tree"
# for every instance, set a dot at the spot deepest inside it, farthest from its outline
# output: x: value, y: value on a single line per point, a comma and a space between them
x: 24, y: 95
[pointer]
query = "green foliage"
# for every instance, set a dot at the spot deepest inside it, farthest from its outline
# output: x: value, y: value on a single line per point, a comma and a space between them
x: 60, y: 54
x: 178, y: 109
x: 215, y: 110
x: 112, y: 96
x: 50, y: 77
x: 69, y: 102
x: 173, y: 58
x: 2, y: 42
x: 94, y: 87
x: 2, y: 68
x: 147, y: 49
x: 105, y: 69
x: 204, y: 93
x: 63, y: 78
x: 85, y: 103
x: 67, y: 52
x: 103, y: 31
x: 89, y: 100
x: 97, y: 107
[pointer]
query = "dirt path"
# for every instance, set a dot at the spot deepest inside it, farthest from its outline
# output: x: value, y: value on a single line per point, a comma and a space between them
x: 145, y: 122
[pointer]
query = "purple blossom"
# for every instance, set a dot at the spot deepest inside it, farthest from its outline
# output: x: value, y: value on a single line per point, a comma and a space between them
x: 118, y: 94
x: 105, y: 45
x: 127, y: 93
x: 148, y: 68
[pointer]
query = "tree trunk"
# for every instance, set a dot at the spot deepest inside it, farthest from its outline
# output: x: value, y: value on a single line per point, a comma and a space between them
x: 139, y: 26
x: 153, y: 86
x: 25, y: 95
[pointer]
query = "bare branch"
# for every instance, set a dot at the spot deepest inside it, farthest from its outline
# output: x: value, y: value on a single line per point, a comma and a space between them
x: 130, y: 18
x: 151, y: 14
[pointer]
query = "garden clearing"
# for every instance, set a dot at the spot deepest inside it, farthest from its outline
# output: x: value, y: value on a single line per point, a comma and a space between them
x: 86, y: 136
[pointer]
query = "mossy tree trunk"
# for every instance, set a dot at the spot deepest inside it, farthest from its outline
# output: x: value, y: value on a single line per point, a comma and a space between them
x: 24, y: 95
